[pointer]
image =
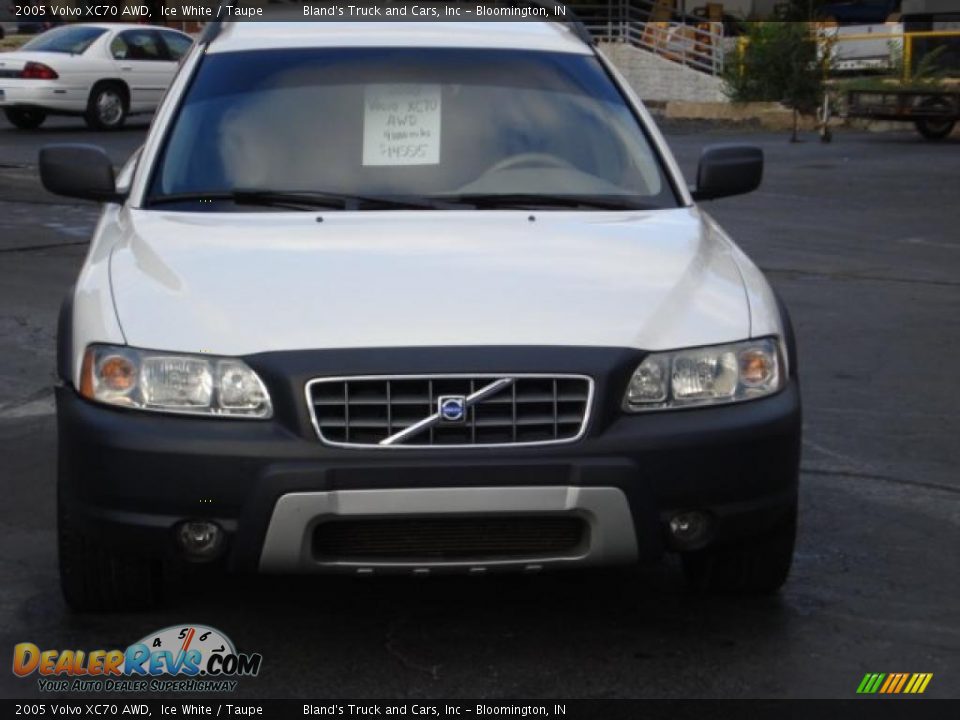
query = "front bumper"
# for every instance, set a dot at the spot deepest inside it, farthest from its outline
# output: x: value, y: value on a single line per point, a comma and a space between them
x: 131, y: 477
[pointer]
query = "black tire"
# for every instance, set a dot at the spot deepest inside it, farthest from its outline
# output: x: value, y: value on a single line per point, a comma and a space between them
x: 107, y: 107
x: 96, y: 577
x: 935, y: 129
x: 757, y: 565
x: 25, y: 118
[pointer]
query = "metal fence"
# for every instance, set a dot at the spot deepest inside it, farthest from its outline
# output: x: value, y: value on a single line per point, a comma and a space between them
x: 647, y: 24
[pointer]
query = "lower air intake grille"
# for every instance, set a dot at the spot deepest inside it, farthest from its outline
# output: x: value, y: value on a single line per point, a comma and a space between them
x: 404, y: 411
x: 451, y: 539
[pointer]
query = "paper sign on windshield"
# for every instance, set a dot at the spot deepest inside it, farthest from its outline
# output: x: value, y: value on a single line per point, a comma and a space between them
x: 401, y: 125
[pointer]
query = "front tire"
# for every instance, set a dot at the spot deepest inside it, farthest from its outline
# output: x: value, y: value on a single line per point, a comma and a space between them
x: 98, y: 577
x: 25, y: 118
x: 756, y: 565
x: 107, y: 107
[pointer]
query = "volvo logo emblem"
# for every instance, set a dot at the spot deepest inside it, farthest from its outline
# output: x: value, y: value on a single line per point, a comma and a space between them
x: 452, y: 408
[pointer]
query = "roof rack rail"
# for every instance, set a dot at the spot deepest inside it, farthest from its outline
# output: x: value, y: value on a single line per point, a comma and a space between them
x: 213, y: 28
x: 558, y: 11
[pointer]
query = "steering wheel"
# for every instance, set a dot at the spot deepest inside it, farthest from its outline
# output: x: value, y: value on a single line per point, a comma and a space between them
x: 530, y: 159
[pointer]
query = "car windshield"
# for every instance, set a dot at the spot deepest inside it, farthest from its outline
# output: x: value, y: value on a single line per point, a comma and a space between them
x: 74, y: 40
x: 480, y: 128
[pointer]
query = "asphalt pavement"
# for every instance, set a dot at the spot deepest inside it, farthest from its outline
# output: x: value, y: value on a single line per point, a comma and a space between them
x: 861, y: 238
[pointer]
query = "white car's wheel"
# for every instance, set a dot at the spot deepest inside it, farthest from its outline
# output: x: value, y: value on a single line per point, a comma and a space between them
x: 107, y: 108
x: 25, y: 118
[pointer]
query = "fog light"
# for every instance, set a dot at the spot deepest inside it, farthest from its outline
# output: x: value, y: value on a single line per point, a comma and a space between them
x: 200, y: 539
x: 690, y: 529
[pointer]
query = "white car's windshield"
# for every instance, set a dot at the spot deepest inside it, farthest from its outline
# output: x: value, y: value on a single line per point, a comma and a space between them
x: 73, y: 40
x: 368, y: 127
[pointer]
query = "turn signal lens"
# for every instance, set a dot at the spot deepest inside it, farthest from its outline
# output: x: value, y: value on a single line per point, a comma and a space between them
x: 756, y: 368
x: 117, y: 373
x: 703, y: 376
x: 86, y: 375
x: 194, y: 384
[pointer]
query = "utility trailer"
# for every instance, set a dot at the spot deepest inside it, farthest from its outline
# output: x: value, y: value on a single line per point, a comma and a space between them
x: 934, y: 112
x: 931, y: 104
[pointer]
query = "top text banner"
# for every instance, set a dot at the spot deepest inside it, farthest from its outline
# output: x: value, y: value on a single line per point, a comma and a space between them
x: 171, y: 11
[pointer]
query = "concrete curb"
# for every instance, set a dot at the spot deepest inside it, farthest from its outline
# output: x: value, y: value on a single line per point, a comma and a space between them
x: 766, y: 115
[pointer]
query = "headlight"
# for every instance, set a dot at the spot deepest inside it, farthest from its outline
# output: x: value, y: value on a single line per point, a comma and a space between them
x: 164, y: 382
x: 705, y: 376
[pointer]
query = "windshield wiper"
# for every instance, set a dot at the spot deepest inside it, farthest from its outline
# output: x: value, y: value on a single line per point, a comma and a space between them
x: 240, y: 198
x: 307, y: 200
x: 489, y: 201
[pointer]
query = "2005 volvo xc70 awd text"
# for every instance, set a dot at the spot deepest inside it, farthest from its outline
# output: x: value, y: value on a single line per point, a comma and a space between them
x: 412, y: 298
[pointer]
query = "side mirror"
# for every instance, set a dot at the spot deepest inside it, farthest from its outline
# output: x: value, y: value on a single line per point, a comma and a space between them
x: 79, y: 171
x: 727, y: 170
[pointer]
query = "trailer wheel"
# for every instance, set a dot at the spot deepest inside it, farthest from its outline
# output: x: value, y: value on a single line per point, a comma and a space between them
x: 935, y: 129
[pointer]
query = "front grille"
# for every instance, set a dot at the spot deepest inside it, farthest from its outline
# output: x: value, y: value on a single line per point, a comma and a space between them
x: 451, y: 539
x: 506, y: 410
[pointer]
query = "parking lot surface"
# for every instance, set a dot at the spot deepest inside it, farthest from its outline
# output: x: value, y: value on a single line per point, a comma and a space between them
x: 861, y: 239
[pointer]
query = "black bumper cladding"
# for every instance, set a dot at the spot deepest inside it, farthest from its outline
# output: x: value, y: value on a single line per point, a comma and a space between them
x: 132, y: 477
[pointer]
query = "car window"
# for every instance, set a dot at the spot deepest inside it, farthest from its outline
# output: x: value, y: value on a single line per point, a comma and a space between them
x: 177, y: 44
x: 74, y: 40
x: 138, y: 45
x: 430, y: 122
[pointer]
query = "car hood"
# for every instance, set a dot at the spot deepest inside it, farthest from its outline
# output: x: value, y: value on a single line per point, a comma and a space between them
x: 237, y: 284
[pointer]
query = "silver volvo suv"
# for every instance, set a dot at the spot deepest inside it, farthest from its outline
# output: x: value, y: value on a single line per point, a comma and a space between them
x: 415, y: 298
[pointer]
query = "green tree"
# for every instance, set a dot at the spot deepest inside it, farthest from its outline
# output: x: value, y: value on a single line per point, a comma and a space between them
x: 777, y: 62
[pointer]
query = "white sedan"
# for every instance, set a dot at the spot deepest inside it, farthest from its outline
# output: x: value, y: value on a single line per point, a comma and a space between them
x: 103, y: 73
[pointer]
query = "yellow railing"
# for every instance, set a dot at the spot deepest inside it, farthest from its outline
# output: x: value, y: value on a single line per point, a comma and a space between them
x: 827, y: 38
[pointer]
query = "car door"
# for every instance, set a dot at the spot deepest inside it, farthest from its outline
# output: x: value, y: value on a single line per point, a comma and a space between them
x: 144, y: 63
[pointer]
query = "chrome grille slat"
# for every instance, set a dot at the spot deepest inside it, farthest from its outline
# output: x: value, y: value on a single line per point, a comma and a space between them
x: 430, y: 406
x: 389, y: 410
x: 556, y: 425
x: 346, y: 411
x: 473, y: 414
x: 504, y: 410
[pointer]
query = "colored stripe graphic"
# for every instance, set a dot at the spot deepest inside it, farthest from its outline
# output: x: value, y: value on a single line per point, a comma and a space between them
x: 903, y: 681
x: 922, y: 682
x: 894, y: 683
x: 870, y: 683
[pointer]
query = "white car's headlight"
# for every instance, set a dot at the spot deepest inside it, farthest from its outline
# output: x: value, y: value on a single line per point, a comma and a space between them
x: 168, y: 382
x: 706, y: 376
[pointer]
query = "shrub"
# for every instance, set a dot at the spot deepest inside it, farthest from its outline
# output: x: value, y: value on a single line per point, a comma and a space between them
x: 777, y: 62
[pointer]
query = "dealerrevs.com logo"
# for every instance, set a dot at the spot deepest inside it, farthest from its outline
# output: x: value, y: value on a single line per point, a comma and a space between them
x: 180, y: 658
